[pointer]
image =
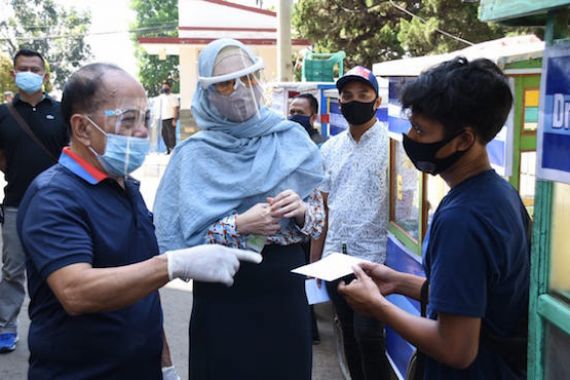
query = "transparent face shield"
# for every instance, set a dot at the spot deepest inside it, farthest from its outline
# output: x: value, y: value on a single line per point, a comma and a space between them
x: 236, y: 88
x: 127, y: 136
x: 127, y: 118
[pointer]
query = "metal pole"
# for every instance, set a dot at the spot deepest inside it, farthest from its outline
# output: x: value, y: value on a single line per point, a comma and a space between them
x: 284, y: 65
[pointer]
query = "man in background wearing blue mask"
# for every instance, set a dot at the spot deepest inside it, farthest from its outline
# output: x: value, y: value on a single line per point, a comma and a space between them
x: 32, y: 134
x: 304, y: 109
x: 93, y: 260
x: 355, y: 192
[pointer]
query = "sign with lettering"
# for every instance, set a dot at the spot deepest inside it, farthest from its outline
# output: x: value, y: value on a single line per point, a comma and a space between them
x: 553, y: 139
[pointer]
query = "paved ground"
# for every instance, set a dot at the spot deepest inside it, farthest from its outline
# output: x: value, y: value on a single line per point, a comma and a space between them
x: 177, y: 303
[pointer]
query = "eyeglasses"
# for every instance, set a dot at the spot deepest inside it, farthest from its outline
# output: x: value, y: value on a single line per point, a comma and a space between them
x: 126, y: 121
x: 229, y: 86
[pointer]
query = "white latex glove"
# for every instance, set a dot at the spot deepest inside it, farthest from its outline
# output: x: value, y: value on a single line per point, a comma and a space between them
x: 208, y: 263
x: 169, y: 373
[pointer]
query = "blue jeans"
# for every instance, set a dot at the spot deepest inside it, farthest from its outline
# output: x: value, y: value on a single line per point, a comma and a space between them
x: 12, y: 283
x: 363, y: 339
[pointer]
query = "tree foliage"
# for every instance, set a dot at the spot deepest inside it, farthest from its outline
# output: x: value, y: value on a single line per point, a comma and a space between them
x: 6, y: 81
x: 455, y: 17
x: 55, y: 31
x: 364, y: 32
x: 371, y: 31
x: 156, y: 18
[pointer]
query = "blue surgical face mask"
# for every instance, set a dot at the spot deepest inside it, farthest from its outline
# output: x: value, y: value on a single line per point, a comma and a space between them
x: 123, y: 154
x: 29, y: 82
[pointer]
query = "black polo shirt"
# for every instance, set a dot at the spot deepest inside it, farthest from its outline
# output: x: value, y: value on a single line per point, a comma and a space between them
x: 24, y: 158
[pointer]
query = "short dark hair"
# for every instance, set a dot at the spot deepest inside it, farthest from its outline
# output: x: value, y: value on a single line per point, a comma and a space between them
x: 313, y: 103
x: 29, y: 53
x: 460, y: 94
x: 82, y: 91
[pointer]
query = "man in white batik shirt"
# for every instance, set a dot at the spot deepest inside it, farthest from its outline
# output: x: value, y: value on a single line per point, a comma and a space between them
x: 355, y: 192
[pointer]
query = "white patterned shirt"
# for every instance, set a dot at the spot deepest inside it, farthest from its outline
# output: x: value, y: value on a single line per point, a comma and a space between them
x: 357, y: 186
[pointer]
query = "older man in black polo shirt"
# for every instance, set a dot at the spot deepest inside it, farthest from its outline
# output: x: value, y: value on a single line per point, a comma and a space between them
x: 32, y: 134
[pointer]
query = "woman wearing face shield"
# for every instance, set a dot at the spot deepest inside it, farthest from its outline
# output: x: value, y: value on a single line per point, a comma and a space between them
x: 247, y: 179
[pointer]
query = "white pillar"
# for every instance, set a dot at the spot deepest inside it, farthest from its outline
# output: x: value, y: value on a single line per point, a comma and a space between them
x: 284, y: 66
x: 188, y: 74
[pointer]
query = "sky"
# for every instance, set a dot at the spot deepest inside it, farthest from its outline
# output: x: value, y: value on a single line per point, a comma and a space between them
x: 108, y: 36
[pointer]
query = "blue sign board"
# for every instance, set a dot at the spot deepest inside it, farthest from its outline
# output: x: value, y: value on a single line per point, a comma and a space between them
x: 337, y: 122
x: 401, y: 259
x: 397, y: 122
x: 553, y: 145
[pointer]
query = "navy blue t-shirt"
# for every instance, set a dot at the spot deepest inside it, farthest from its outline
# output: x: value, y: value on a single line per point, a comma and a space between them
x: 68, y: 217
x: 477, y: 262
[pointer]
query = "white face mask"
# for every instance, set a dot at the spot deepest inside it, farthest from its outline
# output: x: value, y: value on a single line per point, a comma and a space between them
x: 241, y: 105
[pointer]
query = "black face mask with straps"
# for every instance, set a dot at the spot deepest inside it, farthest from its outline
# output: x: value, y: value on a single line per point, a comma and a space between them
x: 305, y: 121
x: 423, y: 155
x: 358, y: 113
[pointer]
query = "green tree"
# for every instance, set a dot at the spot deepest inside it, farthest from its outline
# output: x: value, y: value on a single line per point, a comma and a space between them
x: 371, y: 31
x: 367, y: 32
x: 55, y: 31
x: 156, y: 18
x: 454, y: 17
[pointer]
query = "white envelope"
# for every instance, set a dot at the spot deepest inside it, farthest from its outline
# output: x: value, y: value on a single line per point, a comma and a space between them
x: 334, y: 266
x: 316, y: 294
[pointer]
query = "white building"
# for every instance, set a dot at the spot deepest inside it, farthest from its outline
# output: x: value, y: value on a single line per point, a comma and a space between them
x: 202, y: 21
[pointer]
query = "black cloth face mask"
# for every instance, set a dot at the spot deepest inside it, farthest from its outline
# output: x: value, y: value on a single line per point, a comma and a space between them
x: 422, y: 155
x: 305, y: 121
x: 358, y: 113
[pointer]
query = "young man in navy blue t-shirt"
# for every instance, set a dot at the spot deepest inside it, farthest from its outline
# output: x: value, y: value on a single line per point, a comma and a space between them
x: 476, y: 254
